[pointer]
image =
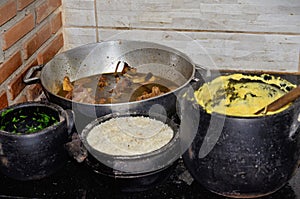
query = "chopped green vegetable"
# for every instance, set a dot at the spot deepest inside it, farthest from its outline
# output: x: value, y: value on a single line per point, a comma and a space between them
x: 26, y: 121
x: 5, y: 112
x: 15, y: 119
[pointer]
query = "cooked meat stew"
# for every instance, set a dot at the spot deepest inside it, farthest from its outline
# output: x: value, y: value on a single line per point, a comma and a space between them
x: 118, y: 87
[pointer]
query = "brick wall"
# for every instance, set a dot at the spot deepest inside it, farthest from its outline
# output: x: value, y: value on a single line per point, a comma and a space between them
x: 30, y: 34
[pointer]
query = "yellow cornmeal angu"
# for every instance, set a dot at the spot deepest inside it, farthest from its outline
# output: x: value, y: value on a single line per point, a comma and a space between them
x: 240, y: 94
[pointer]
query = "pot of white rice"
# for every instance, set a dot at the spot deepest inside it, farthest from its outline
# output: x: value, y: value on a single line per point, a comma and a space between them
x: 132, y: 143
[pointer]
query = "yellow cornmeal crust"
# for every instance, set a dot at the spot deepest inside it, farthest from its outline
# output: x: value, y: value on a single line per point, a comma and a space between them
x: 241, y: 94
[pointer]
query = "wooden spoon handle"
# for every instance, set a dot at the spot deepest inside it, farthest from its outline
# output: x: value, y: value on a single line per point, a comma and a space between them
x: 284, y: 100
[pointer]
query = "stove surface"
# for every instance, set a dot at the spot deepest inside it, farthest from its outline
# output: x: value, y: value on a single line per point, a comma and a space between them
x: 76, y: 180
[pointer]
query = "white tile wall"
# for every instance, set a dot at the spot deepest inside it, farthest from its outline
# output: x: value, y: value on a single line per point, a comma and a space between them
x: 76, y: 36
x: 79, y: 13
x: 233, y: 34
x: 241, y: 15
x: 223, y: 50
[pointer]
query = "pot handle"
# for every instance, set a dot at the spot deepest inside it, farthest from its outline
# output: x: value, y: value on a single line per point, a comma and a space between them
x: 32, y: 80
x: 294, y: 129
x: 70, y: 117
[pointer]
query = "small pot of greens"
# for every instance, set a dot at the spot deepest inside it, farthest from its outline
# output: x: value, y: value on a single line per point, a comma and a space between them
x: 32, y: 139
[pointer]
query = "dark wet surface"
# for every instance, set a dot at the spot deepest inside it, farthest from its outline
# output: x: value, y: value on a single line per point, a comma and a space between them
x: 78, y: 181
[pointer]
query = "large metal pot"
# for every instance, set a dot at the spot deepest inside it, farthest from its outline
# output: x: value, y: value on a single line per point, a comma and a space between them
x: 245, y: 156
x: 102, y: 57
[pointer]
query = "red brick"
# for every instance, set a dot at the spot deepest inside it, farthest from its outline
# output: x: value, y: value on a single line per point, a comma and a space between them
x: 16, y: 32
x: 46, y: 8
x: 56, y: 23
x: 10, y: 66
x: 8, y: 11
x: 3, y: 100
x: 42, y: 11
x: 50, y: 51
x: 24, y: 3
x: 17, y: 85
x: 54, y: 3
x: 36, y: 41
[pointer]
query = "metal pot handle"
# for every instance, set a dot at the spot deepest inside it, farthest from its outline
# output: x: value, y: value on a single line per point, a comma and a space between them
x: 32, y: 80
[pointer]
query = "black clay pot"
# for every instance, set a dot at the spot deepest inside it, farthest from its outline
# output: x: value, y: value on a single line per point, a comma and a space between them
x: 26, y: 155
x: 245, y: 157
x: 129, y: 173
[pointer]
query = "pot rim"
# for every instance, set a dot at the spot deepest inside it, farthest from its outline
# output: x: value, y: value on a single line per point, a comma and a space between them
x: 50, y: 105
x: 293, y: 106
x: 107, y: 117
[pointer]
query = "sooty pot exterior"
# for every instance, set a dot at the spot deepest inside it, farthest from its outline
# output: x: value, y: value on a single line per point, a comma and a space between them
x: 129, y: 182
x: 37, y: 155
x: 250, y: 157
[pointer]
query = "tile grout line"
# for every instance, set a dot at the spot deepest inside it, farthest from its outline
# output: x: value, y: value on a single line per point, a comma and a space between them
x: 96, y: 21
x: 183, y: 30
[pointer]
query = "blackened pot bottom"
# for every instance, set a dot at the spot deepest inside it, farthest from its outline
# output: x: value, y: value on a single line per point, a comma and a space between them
x: 230, y: 195
x: 126, y: 182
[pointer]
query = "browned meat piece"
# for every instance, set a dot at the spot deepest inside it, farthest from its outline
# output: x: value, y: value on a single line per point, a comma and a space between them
x: 117, y: 79
x: 102, y: 101
x: 107, y: 100
x: 69, y: 95
x: 155, y: 92
x: 67, y: 85
x: 82, y: 94
x: 102, y: 81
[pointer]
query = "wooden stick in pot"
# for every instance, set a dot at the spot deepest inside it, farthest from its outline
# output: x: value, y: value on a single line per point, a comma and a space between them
x: 282, y: 101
